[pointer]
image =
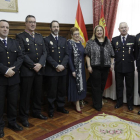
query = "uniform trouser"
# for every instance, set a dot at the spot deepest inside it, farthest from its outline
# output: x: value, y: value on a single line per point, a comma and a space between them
x: 98, y: 81
x: 139, y: 82
x: 56, y: 91
x: 11, y: 92
x: 27, y: 85
x: 129, y: 81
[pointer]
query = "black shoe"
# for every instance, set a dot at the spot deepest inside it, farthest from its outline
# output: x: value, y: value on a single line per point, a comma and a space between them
x: 118, y: 106
x: 139, y: 113
x: 1, y: 133
x: 62, y: 110
x: 130, y: 108
x: 15, y: 127
x: 50, y: 115
x: 40, y: 116
x: 25, y: 123
x: 98, y: 109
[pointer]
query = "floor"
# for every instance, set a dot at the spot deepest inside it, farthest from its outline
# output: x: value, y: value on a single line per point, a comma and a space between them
x: 40, y: 127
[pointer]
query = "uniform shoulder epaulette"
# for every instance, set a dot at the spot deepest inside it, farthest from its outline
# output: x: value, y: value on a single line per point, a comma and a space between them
x: 62, y: 37
x: 19, y: 33
x: 38, y: 33
x: 45, y: 36
x: 11, y: 38
x: 115, y: 37
x: 138, y: 34
x: 132, y: 35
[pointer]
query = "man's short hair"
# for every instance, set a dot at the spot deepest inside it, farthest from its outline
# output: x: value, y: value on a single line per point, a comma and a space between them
x: 4, y: 21
x: 53, y: 22
x: 29, y: 16
x: 123, y: 23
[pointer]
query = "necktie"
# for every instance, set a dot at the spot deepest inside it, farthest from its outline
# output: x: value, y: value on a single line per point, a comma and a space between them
x: 123, y: 40
x: 33, y: 35
x: 56, y: 39
x: 4, y: 41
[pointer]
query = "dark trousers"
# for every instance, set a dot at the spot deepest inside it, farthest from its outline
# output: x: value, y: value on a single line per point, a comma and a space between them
x: 11, y: 92
x: 129, y: 81
x: 98, y: 81
x: 27, y: 85
x: 139, y: 82
x: 56, y: 91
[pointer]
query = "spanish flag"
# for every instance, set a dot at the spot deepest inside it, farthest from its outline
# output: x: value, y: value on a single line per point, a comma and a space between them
x: 80, y: 24
x: 102, y: 23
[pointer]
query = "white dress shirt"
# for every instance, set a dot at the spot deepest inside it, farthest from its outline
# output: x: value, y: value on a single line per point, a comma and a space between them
x: 3, y: 43
x: 3, y: 39
x: 55, y: 36
x: 124, y: 38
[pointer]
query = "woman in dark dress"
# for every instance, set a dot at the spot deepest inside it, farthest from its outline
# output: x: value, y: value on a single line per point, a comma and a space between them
x: 77, y: 77
x: 99, y: 52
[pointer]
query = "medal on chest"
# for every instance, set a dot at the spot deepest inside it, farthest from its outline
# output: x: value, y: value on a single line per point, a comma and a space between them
x: 129, y: 50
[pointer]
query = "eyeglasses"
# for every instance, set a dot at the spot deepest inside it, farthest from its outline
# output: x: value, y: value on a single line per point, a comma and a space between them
x: 31, y: 22
x: 76, y: 34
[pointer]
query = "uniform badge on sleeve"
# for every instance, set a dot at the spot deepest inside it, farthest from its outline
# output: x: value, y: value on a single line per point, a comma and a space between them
x: 27, y: 39
x: 117, y: 43
x: 51, y: 42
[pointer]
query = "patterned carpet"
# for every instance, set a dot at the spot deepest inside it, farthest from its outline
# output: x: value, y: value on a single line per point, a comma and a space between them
x: 98, y: 127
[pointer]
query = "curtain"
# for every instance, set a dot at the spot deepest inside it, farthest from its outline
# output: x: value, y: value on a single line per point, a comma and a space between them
x: 110, y: 11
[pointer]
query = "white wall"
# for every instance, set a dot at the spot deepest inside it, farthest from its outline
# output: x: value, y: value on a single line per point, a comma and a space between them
x: 47, y: 10
x: 128, y: 11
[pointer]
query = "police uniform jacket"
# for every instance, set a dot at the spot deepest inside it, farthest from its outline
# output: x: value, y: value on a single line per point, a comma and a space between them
x: 10, y: 56
x: 34, y: 51
x: 138, y: 51
x: 57, y: 55
x: 124, y: 54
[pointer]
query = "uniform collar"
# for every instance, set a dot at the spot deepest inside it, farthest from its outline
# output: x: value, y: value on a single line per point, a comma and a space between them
x: 124, y: 36
x: 3, y: 39
x: 54, y: 35
x: 30, y: 33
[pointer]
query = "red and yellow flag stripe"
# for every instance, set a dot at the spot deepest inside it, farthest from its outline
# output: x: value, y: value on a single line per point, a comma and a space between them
x: 80, y: 24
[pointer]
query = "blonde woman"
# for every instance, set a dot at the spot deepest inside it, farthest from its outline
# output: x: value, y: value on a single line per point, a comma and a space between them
x: 98, y: 55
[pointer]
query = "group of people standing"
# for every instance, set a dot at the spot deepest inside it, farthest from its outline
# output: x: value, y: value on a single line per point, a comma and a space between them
x: 30, y: 57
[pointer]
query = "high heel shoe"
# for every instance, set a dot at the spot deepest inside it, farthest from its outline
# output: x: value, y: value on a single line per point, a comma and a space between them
x: 78, y: 111
x: 73, y: 104
x: 81, y: 104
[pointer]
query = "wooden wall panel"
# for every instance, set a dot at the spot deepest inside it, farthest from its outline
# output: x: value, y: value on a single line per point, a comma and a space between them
x: 44, y: 29
x: 89, y: 28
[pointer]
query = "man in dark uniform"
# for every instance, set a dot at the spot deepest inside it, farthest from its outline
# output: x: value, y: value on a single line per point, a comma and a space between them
x: 11, y: 59
x: 56, y: 70
x: 34, y: 51
x: 138, y: 61
x: 124, y: 48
